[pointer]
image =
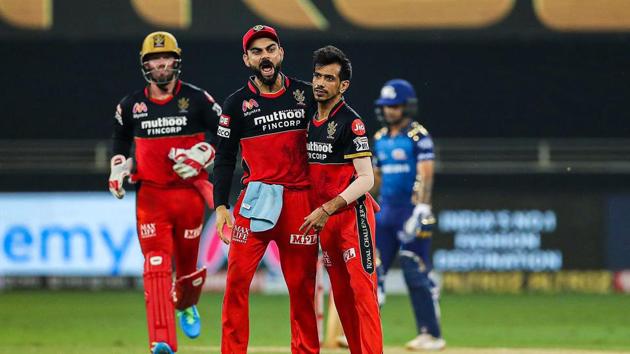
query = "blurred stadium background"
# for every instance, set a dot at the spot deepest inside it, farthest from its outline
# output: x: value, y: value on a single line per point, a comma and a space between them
x: 527, y: 101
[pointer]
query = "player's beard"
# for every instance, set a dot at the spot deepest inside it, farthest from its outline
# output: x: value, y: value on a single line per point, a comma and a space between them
x: 163, y: 81
x: 394, y: 122
x: 329, y: 95
x: 267, y: 81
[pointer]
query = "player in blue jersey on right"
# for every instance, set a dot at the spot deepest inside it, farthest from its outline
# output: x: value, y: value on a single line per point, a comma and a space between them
x: 404, y: 172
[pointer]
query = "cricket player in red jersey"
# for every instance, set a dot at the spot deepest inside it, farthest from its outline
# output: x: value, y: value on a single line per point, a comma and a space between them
x: 167, y: 122
x: 267, y: 119
x: 341, y: 176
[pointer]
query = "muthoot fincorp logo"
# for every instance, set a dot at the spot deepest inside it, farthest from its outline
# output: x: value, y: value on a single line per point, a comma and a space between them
x: 164, y: 125
x: 280, y: 119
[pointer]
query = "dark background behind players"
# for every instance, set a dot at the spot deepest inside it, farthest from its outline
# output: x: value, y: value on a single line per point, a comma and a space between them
x: 491, y: 88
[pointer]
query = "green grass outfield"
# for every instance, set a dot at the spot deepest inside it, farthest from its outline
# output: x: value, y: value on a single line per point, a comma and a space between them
x: 113, y: 322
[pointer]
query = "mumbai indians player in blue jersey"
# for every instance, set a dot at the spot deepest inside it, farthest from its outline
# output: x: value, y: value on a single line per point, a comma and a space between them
x: 404, y: 172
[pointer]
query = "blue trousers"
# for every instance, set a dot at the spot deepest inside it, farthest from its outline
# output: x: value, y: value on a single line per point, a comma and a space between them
x: 415, y: 263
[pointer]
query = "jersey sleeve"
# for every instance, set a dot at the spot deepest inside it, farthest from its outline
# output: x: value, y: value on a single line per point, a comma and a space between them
x: 122, y: 137
x: 424, y: 148
x: 228, y: 139
x: 211, y: 115
x: 355, y: 140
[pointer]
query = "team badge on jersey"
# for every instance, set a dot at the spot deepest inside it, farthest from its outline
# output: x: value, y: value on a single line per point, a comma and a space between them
x: 331, y: 129
x: 299, y: 97
x: 183, y: 104
x: 399, y: 154
x: 358, y: 127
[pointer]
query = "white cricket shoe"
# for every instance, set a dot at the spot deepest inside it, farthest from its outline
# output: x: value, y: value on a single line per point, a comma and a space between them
x: 426, y: 342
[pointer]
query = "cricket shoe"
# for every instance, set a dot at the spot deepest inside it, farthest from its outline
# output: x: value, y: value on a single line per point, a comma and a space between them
x: 161, y: 348
x: 426, y: 342
x: 190, y: 322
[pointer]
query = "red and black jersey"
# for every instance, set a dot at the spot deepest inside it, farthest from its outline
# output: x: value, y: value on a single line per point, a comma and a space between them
x: 333, y: 142
x: 156, y: 126
x: 271, y: 132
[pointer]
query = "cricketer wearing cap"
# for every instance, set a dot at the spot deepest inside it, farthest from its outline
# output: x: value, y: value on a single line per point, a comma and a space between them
x: 267, y: 119
x: 341, y: 175
x: 167, y: 121
x: 404, y: 171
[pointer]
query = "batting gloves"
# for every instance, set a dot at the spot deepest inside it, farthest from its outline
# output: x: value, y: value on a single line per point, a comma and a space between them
x: 120, y: 168
x: 420, y: 224
x: 189, y: 162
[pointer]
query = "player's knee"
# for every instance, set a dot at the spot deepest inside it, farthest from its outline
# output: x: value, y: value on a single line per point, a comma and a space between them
x: 414, y: 271
x: 157, y: 262
x: 238, y: 282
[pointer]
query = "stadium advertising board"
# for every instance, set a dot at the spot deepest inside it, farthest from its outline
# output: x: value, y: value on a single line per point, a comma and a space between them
x: 513, y: 242
x: 87, y: 234
x: 68, y: 234
x: 520, y: 232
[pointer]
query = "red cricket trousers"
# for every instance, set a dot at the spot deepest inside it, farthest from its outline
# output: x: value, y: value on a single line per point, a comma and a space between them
x: 169, y: 222
x: 349, y: 256
x: 298, y: 259
x: 170, y: 219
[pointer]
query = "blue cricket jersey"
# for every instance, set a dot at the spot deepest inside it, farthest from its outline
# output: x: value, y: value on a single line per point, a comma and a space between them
x: 396, y: 157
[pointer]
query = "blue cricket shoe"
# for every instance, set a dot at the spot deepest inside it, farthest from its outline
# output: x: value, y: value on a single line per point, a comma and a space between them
x: 190, y: 322
x: 161, y: 348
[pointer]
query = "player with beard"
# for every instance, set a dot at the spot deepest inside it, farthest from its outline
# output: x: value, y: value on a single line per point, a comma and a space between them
x: 341, y: 176
x: 267, y: 119
x: 167, y: 122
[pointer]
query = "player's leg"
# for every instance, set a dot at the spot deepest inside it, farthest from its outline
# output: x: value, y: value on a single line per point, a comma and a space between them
x: 387, y: 245
x: 354, y: 280
x: 344, y: 301
x: 298, y: 259
x: 339, y: 281
x: 188, y: 219
x: 156, y: 242
x: 246, y: 251
x: 414, y: 261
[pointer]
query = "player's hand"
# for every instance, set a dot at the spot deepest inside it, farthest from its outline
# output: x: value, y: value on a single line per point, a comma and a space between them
x: 419, y: 224
x: 223, y: 218
x: 120, y: 168
x: 315, y: 221
x: 189, y: 162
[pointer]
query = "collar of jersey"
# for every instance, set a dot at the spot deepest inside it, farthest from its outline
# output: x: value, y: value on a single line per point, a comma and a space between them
x: 253, y: 88
x: 402, y: 132
x: 332, y: 113
x: 178, y: 88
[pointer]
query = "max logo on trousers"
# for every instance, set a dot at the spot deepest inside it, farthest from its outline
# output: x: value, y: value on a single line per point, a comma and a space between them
x: 147, y: 230
x: 239, y: 234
